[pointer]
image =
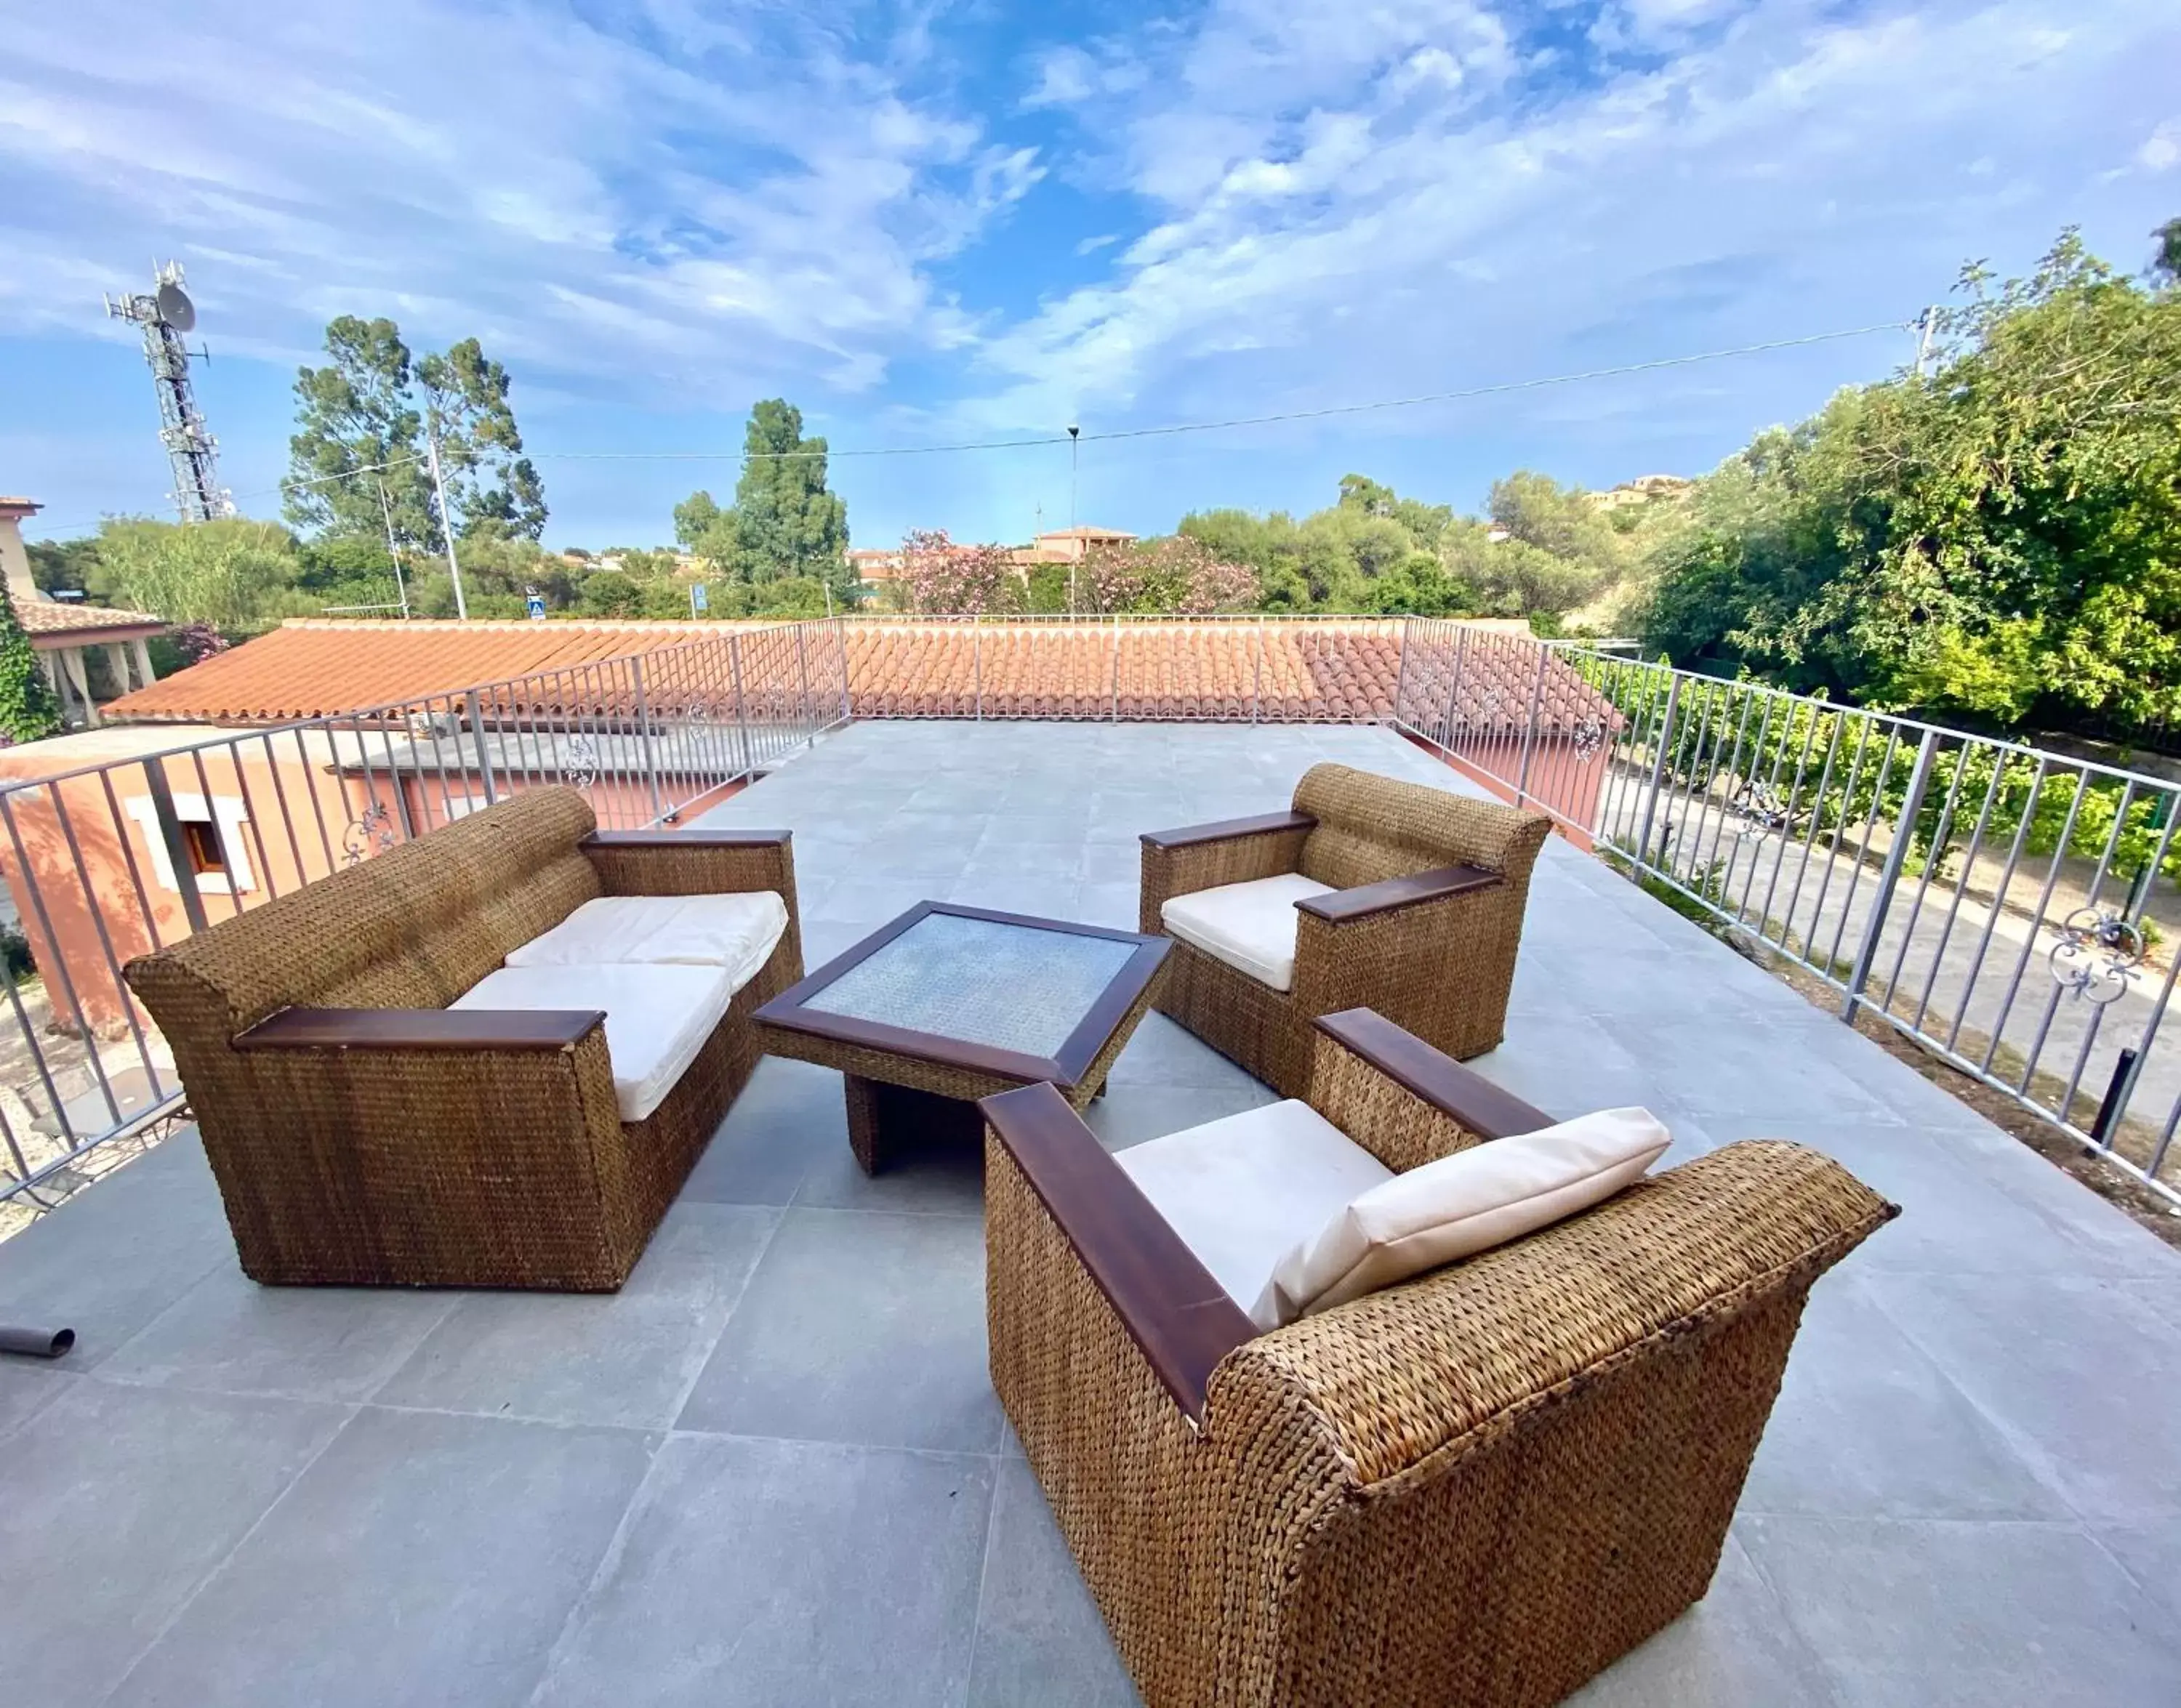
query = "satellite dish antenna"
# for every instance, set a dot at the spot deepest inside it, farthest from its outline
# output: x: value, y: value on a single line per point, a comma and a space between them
x: 176, y: 308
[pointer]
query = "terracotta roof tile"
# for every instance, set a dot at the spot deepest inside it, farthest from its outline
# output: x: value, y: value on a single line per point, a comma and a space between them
x: 1291, y: 672
x: 66, y: 616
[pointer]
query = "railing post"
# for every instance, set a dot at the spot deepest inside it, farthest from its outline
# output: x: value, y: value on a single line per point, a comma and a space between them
x: 1665, y: 738
x: 841, y: 634
x: 977, y: 667
x: 1453, y: 687
x: 178, y: 852
x: 1257, y: 677
x: 803, y: 664
x: 643, y: 724
x: 1904, y: 828
x: 473, y: 709
x: 1530, y: 728
x: 1113, y: 687
x: 742, y: 706
x: 1401, y: 673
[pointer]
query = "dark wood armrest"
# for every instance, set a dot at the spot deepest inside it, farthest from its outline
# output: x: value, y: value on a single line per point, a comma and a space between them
x: 1474, y: 1103
x: 688, y: 839
x: 1179, y: 1318
x: 481, y: 1029
x: 1189, y: 835
x: 1367, y: 899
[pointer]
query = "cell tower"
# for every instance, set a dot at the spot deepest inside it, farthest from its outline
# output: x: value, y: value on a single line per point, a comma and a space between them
x: 165, y: 314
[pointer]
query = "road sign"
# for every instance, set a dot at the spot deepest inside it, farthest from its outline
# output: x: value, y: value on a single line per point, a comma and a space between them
x: 700, y: 598
x: 536, y: 601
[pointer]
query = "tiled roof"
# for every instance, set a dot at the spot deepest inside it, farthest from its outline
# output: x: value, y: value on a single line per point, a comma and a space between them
x: 1277, y: 672
x: 310, y: 668
x: 63, y: 617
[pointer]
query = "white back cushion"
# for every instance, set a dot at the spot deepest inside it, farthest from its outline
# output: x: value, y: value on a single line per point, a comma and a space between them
x: 1251, y: 926
x: 735, y: 933
x: 657, y: 1017
x: 1458, y: 1206
x: 1242, y: 1190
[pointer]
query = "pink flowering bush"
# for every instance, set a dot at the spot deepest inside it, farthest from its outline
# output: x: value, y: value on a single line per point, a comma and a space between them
x: 941, y: 578
x: 1174, y: 573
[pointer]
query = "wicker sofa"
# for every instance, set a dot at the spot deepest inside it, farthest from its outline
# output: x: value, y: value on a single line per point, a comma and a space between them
x: 1369, y: 893
x: 365, y: 1131
x: 1478, y: 1488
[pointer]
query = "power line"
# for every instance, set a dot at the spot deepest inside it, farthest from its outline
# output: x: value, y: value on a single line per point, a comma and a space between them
x: 1227, y: 424
x: 1233, y: 421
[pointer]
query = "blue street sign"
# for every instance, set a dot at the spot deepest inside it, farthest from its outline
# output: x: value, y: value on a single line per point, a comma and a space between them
x: 536, y: 603
x: 700, y: 597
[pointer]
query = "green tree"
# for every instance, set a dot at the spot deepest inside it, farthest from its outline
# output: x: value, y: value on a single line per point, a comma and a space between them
x: 358, y: 431
x: 2000, y: 542
x: 232, y: 573
x: 28, y: 711
x: 2166, y: 262
x: 358, y: 462
x: 491, y: 486
x: 785, y: 522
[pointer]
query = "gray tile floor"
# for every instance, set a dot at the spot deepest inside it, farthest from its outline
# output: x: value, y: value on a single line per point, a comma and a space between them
x: 772, y: 1470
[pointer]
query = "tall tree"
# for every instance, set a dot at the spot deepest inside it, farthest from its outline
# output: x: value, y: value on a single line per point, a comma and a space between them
x: 363, y: 422
x: 785, y: 522
x: 358, y: 429
x: 491, y: 485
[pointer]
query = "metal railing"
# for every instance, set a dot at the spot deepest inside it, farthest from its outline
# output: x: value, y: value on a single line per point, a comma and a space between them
x: 1238, y: 668
x: 108, y: 861
x: 2012, y: 909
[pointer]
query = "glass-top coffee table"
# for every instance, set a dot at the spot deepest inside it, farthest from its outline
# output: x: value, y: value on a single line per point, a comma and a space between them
x: 946, y: 1005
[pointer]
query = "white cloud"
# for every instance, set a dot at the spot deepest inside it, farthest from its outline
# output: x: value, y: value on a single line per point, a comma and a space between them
x: 2161, y: 149
x: 1349, y: 200
x: 710, y: 202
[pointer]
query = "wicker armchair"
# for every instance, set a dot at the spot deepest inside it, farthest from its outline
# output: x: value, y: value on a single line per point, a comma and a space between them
x: 1478, y: 1488
x: 363, y: 1133
x: 1423, y: 928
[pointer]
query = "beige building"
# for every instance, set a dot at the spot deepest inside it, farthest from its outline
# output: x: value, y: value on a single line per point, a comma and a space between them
x: 1069, y: 545
x: 63, y: 631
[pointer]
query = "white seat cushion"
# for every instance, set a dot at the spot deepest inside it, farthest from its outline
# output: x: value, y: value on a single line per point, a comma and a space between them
x: 1241, y: 1191
x: 657, y: 1017
x: 1459, y: 1206
x: 1251, y: 926
x: 736, y: 933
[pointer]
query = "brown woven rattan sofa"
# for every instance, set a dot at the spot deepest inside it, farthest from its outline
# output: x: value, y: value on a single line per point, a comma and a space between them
x: 1478, y: 1488
x: 364, y: 1133
x: 1412, y: 906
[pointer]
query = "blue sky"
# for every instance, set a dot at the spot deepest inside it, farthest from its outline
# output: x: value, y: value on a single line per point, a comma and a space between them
x: 926, y: 223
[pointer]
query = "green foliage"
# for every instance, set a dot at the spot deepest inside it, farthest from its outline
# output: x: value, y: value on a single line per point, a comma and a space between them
x: 784, y: 524
x: 233, y: 573
x: 28, y: 711
x: 63, y: 566
x: 2002, y: 542
x: 1547, y: 549
x: 357, y: 461
x: 491, y: 485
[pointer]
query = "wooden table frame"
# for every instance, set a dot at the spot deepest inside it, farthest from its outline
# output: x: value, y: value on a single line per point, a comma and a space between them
x: 900, y: 1081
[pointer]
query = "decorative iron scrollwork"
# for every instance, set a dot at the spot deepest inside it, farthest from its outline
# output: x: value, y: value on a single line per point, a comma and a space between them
x: 2097, y: 954
x: 373, y: 825
x: 580, y: 765
x: 1762, y: 810
x: 1587, y: 737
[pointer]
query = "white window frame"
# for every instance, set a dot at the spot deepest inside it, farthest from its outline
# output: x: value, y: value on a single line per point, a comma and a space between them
x: 226, y: 813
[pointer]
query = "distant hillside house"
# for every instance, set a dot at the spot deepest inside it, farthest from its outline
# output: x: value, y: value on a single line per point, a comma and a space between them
x: 63, y: 631
x: 1642, y: 490
x: 1068, y: 545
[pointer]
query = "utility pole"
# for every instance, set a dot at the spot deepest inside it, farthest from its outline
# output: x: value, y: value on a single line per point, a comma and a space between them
x: 1925, y: 323
x: 446, y: 523
x: 1074, y: 539
x: 393, y: 552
